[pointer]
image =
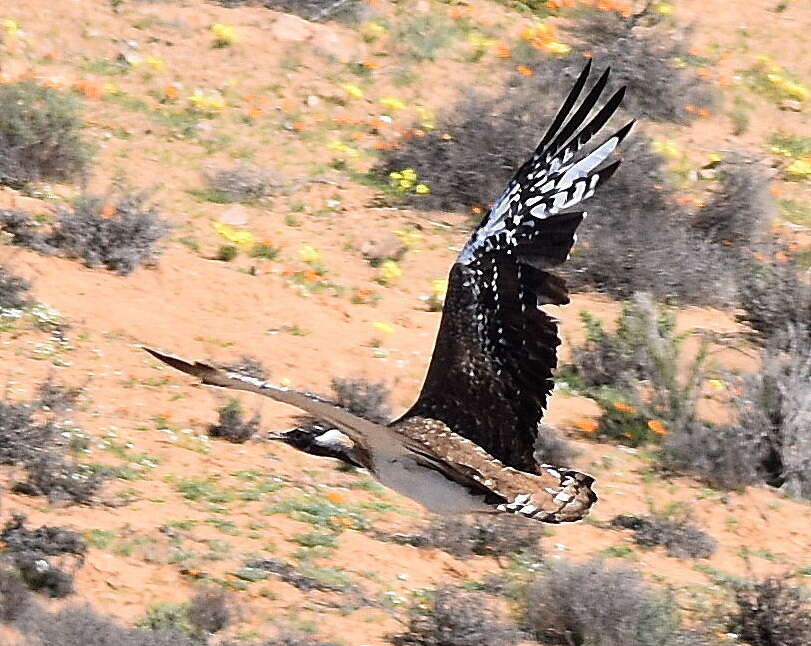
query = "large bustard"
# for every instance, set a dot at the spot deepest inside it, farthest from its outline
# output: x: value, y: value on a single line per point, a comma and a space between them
x: 467, y: 443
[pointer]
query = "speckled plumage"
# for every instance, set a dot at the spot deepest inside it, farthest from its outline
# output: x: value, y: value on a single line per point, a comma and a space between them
x: 467, y: 443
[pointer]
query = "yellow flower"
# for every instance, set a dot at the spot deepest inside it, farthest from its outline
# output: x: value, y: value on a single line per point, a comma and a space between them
x: 800, y: 167
x: 285, y: 382
x: 110, y: 88
x: 409, y: 237
x: 372, y: 30
x: 666, y: 147
x: 208, y: 102
x: 422, y: 189
x: 226, y: 34
x: 557, y: 48
x: 339, y: 146
x: 156, y: 63
x: 390, y: 271
x: 309, y: 254
x: 353, y: 90
x: 426, y: 117
x: 380, y: 326
x: 237, y: 236
x: 716, y: 384
x: 392, y: 103
x: 11, y: 27
x: 714, y: 158
x: 663, y: 8
x: 439, y: 286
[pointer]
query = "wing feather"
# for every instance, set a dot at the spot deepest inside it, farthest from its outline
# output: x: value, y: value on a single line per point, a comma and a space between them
x: 491, y: 372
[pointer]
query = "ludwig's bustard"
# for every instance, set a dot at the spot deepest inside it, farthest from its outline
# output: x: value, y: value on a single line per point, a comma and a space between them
x: 467, y: 443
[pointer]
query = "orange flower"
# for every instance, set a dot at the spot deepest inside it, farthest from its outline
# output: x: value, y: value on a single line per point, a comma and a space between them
x: 587, y: 425
x: 523, y: 70
x: 108, y: 210
x: 781, y: 256
x: 334, y: 497
x: 476, y: 210
x: 703, y: 113
x: 502, y: 51
x: 622, y: 407
x: 254, y: 112
x: 657, y: 427
x: 310, y: 276
x: 370, y: 63
x: 170, y: 92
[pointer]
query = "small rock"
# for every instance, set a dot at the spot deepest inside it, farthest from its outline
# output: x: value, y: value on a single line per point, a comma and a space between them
x: 313, y: 101
x: 130, y: 58
x: 792, y: 105
x: 707, y: 173
x: 291, y: 29
x: 384, y: 247
x: 235, y: 216
x: 338, y: 46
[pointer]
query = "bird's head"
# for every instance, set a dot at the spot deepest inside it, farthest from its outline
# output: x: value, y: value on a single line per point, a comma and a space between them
x: 300, y: 438
x: 317, y: 439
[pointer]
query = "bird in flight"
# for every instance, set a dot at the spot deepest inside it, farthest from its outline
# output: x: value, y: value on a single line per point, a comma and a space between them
x: 467, y: 443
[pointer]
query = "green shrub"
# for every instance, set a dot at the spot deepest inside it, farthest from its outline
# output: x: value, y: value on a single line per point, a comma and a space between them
x: 39, y: 135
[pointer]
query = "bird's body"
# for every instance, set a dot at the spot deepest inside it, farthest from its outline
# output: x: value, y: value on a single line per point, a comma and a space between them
x: 467, y: 443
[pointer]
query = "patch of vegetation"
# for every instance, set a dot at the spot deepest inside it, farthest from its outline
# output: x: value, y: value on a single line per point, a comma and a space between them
x: 31, y: 439
x: 15, y: 597
x: 38, y: 555
x: 643, y: 57
x: 740, y: 213
x: 39, y: 135
x: 552, y: 448
x: 455, y: 617
x: 496, y: 536
x: 241, y: 183
x: 680, y: 538
x: 170, y: 617
x: 772, y: 613
x: 232, y: 426
x: 776, y: 297
x: 119, y: 232
x: 12, y: 290
x: 305, y: 577
x: 635, y: 374
x: 592, y: 603
x: 320, y: 511
x: 350, y: 11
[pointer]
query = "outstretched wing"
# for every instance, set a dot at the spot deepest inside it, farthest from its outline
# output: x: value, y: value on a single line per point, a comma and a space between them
x: 491, y: 371
x: 366, y: 435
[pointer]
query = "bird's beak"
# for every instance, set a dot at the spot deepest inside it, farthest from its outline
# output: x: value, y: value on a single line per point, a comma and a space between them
x: 276, y: 436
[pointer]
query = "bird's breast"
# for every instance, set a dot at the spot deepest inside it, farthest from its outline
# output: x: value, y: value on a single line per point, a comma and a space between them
x: 428, y: 487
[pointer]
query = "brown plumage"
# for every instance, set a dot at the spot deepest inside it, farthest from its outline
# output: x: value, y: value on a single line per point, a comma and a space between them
x: 467, y: 443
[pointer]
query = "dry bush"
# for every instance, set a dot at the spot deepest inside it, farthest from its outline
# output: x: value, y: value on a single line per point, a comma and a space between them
x: 232, y: 425
x: 552, y: 448
x: 775, y: 296
x: 248, y: 366
x: 82, y: 626
x: 317, y: 10
x: 12, y: 290
x: 594, y: 604
x: 642, y: 56
x: 121, y: 236
x: 42, y: 555
x: 740, y: 212
x: 456, y: 618
x: 638, y: 238
x: 774, y: 410
x: 119, y: 232
x: 30, y: 439
x: 680, y: 538
x: 15, y: 598
x: 769, y: 442
x: 39, y: 135
x: 210, y: 610
x: 772, y: 613
x: 497, y: 536
x: 240, y: 183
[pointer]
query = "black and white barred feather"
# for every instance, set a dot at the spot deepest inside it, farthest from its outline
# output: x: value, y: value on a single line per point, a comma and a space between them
x: 491, y: 371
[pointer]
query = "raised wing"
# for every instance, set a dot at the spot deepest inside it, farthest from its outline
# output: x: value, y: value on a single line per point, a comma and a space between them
x: 491, y: 371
